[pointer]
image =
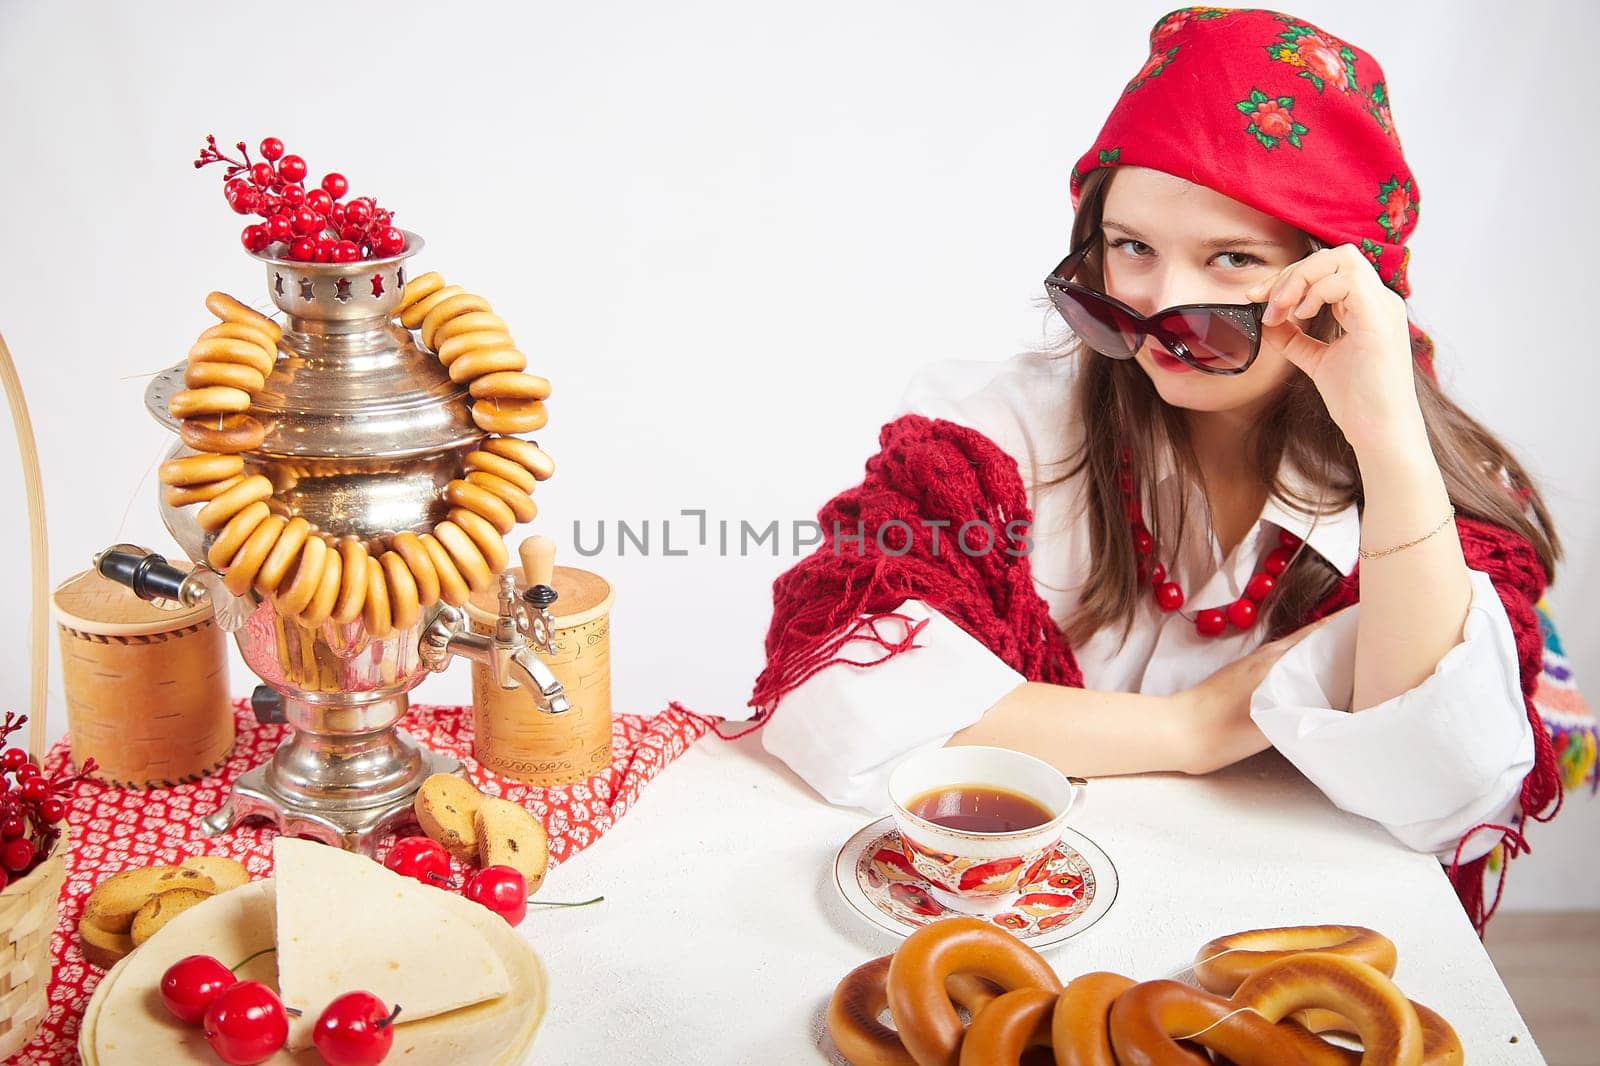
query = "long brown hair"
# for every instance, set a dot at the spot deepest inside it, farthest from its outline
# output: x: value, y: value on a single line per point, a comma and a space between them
x: 1117, y: 403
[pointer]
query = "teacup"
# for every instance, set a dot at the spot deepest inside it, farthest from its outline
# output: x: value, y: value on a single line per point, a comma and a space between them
x: 969, y: 870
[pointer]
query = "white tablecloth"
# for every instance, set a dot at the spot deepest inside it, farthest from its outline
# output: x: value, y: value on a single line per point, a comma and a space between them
x: 723, y: 935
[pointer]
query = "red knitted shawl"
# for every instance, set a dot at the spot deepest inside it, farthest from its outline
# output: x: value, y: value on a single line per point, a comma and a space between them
x: 929, y: 472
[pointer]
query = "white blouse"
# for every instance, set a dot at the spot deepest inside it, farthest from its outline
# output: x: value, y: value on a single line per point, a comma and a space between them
x: 1428, y: 764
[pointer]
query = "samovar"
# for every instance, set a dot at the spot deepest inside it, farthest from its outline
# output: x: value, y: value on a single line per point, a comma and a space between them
x: 363, y: 430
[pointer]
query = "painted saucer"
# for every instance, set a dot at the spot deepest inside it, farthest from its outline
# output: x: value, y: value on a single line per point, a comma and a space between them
x: 1064, y: 893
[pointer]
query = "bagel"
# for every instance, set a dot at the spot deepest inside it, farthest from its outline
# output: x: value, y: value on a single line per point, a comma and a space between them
x: 462, y: 343
x: 352, y: 581
x: 442, y: 311
x: 484, y: 535
x: 204, y: 468
x: 523, y: 509
x: 453, y: 587
x: 184, y: 495
x: 533, y: 458
x: 916, y: 985
x: 423, y: 572
x: 215, y: 514
x: 225, y: 434
x: 322, y: 601
x: 1222, y: 965
x: 510, y: 416
x: 228, y: 309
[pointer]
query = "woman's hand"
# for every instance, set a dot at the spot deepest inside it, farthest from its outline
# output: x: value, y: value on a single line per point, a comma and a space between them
x: 1365, y: 376
x: 1212, y: 719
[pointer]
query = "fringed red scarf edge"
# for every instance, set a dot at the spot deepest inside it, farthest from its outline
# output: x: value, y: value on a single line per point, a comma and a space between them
x: 800, y: 662
x: 930, y: 469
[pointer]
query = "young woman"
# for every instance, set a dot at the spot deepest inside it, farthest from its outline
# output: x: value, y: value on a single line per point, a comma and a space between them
x: 1234, y: 509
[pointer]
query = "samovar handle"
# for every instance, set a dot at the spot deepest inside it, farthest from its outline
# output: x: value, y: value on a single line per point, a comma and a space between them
x: 151, y: 577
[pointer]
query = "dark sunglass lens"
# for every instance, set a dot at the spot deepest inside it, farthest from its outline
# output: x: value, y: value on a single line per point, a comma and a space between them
x: 1100, y: 325
x: 1219, y: 338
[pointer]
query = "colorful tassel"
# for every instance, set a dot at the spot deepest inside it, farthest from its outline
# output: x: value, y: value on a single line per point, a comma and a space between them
x: 1574, y: 732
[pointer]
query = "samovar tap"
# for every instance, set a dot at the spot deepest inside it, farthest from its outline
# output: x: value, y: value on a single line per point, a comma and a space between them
x: 508, y: 653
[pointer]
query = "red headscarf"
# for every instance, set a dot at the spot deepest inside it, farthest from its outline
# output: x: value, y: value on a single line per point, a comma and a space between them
x: 1276, y: 113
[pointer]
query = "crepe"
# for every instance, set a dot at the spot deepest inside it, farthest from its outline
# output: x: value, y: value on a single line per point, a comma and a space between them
x: 127, y: 1024
x: 133, y: 1025
x: 347, y: 923
x: 91, y: 1013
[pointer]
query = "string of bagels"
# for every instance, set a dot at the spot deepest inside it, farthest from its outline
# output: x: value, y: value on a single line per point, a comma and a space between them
x: 1265, y: 996
x: 311, y: 575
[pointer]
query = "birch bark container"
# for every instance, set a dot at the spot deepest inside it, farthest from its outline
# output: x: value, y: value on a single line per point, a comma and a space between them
x: 513, y: 739
x: 146, y: 687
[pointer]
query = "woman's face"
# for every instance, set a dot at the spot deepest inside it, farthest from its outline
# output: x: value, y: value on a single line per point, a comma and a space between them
x: 1169, y: 241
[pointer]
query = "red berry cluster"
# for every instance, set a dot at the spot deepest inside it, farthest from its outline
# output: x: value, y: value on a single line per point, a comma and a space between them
x: 31, y: 807
x: 245, y: 1022
x: 307, y: 225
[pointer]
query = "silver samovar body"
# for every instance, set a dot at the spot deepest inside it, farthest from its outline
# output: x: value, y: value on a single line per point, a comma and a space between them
x: 363, y: 431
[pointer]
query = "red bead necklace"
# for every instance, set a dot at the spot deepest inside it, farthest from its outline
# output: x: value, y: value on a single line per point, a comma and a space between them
x: 1212, y: 622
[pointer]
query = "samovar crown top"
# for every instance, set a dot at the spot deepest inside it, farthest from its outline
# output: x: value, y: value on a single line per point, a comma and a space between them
x: 330, y: 294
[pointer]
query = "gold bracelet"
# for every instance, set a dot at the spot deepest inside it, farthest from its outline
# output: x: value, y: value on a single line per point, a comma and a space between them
x: 1410, y: 543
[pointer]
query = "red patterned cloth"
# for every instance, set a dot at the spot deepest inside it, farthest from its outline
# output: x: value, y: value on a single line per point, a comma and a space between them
x: 1277, y: 113
x: 116, y: 829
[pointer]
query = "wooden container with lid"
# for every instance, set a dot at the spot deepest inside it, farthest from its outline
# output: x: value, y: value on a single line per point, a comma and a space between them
x: 146, y: 684
x: 514, y: 739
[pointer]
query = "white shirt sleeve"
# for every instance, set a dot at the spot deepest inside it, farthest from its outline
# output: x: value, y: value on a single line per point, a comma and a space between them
x: 846, y: 728
x: 1430, y: 763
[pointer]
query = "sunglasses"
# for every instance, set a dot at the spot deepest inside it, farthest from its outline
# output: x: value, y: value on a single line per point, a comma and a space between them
x: 1211, y: 338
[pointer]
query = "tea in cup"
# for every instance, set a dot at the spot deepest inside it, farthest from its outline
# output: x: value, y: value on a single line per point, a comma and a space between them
x: 975, y: 820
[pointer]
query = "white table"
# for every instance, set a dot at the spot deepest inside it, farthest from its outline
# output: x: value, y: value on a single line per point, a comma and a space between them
x: 723, y: 935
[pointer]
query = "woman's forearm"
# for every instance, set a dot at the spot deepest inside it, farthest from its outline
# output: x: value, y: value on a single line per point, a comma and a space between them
x: 1081, y: 732
x: 1414, y: 602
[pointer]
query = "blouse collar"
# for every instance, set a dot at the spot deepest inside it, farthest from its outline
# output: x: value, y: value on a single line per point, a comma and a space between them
x: 1334, y: 535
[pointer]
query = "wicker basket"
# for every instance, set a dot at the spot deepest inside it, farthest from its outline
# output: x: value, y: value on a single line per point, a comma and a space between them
x: 27, y: 919
x: 29, y: 907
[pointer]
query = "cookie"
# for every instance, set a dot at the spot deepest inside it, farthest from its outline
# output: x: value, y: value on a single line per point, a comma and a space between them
x: 225, y: 873
x: 101, y: 948
x: 162, y: 909
x: 114, y: 902
x: 446, y: 807
x: 509, y: 836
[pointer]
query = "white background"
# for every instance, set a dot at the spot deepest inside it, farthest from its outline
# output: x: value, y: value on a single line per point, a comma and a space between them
x: 729, y: 233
